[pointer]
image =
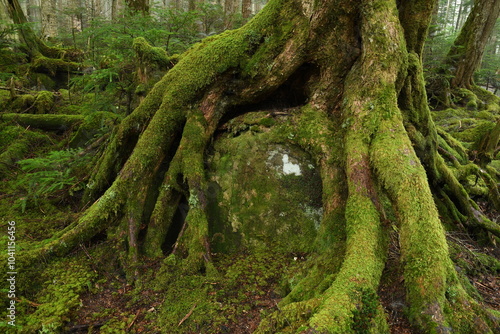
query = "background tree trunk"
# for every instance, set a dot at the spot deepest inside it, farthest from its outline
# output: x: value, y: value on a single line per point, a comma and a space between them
x: 467, y: 52
x: 246, y: 8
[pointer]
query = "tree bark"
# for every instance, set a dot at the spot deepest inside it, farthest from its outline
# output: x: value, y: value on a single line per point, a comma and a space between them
x: 364, y: 119
x: 467, y: 51
x: 246, y: 8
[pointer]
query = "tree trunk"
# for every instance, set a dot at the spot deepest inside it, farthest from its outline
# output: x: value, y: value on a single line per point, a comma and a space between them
x: 26, y: 34
x: 229, y: 12
x: 49, y: 18
x: 363, y: 117
x: 43, y: 58
x: 467, y: 51
x: 246, y: 8
x: 138, y: 5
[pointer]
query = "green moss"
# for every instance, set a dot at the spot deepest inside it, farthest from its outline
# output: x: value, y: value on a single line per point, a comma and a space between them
x: 94, y: 125
x: 266, y: 208
x: 426, y: 260
x: 149, y: 54
x: 21, y: 103
x: 45, y: 121
x: 4, y: 99
x: 44, y: 102
x: 16, y: 142
x: 53, y: 65
x: 218, y: 299
x: 365, y: 312
x: 62, y: 283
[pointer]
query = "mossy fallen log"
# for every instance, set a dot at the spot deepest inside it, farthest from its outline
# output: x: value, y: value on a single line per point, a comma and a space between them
x: 43, y: 121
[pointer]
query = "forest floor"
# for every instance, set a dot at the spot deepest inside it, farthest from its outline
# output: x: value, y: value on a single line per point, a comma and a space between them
x: 137, y: 310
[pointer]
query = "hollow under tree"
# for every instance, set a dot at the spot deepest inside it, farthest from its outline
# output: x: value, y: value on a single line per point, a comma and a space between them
x: 366, y: 122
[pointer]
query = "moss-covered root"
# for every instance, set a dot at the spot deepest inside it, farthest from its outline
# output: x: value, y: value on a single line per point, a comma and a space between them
x: 122, y: 140
x: 167, y: 203
x: 456, y: 190
x: 192, y: 242
x: 344, y: 305
x: 150, y: 55
x: 423, y: 244
x: 187, y: 165
x: 438, y: 301
x: 488, y: 145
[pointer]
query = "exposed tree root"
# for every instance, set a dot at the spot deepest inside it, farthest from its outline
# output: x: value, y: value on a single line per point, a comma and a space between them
x: 372, y: 140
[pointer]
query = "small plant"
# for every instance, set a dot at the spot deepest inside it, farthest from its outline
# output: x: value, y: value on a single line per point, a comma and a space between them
x: 50, y: 175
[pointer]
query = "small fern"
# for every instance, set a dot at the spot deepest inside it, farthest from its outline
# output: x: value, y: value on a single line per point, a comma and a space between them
x: 48, y: 176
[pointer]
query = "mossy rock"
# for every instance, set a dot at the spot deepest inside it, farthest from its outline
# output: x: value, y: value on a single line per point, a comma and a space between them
x: 263, y: 194
x: 469, y: 99
x: 4, y: 99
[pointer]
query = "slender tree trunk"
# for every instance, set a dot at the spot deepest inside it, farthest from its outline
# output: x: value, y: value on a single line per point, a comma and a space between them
x: 229, y: 11
x: 467, y: 51
x: 246, y: 8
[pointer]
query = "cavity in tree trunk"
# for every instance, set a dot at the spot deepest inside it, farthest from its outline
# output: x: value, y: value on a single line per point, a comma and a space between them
x: 353, y: 70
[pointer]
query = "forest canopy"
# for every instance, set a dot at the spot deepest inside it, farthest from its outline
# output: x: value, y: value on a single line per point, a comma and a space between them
x: 240, y: 166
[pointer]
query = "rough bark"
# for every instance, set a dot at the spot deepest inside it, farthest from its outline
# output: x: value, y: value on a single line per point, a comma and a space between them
x: 364, y: 119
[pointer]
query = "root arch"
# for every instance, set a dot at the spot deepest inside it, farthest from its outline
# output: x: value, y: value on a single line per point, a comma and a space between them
x: 362, y: 113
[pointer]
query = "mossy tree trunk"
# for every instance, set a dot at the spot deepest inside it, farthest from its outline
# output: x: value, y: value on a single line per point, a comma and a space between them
x: 42, y: 57
x: 364, y: 118
x: 33, y: 43
x: 467, y: 51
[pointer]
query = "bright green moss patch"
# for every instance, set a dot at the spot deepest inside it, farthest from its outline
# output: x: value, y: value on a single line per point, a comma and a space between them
x: 21, y: 103
x: 44, y: 102
x: 53, y: 65
x: 151, y: 55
